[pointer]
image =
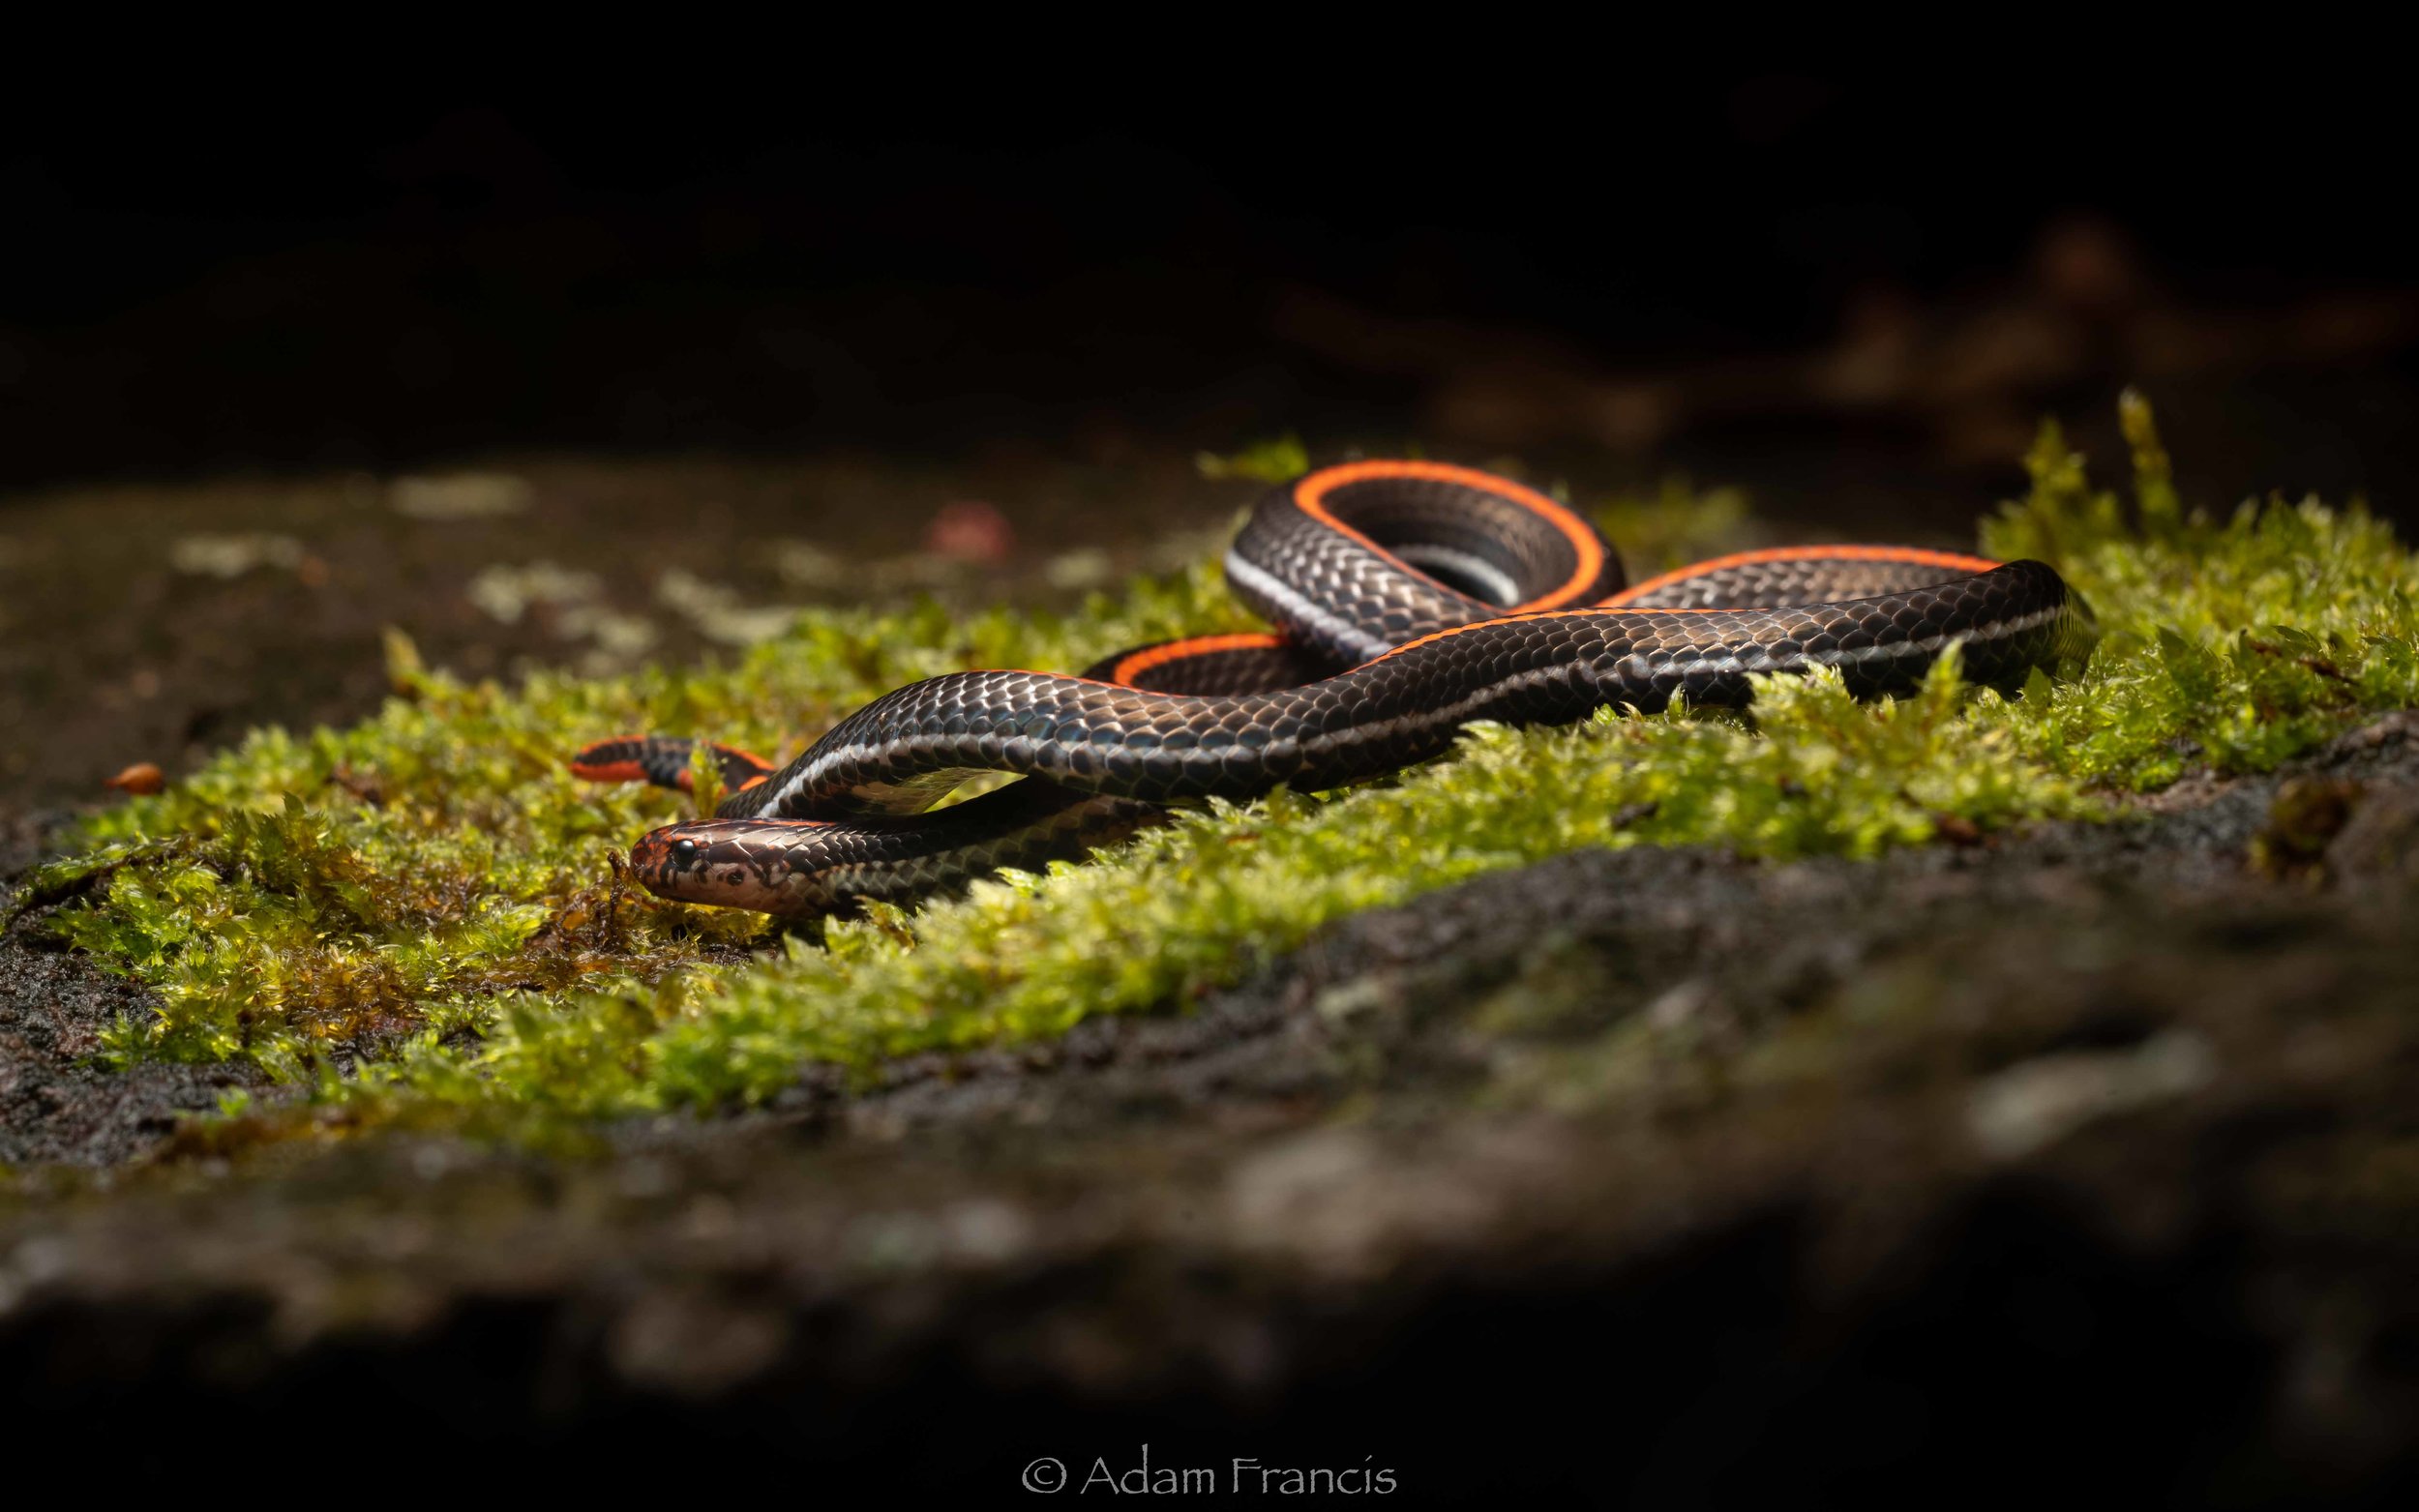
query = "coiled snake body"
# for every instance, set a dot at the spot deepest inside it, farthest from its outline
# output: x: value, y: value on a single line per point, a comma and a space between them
x: 1412, y: 597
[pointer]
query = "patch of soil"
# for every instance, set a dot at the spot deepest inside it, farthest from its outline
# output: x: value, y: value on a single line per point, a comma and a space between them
x: 58, y: 1105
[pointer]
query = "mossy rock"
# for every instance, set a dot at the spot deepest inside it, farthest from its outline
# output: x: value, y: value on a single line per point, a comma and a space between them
x: 414, y: 921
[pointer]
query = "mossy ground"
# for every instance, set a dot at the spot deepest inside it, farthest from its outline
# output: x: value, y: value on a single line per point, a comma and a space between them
x: 415, y: 921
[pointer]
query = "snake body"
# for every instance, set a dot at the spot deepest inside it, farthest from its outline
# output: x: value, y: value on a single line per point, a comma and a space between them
x: 1413, y: 597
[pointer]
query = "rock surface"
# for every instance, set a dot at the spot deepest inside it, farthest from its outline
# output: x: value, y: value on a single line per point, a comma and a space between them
x: 2079, y: 1158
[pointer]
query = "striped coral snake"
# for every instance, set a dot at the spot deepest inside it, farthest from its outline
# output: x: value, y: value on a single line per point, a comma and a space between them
x: 1410, y: 598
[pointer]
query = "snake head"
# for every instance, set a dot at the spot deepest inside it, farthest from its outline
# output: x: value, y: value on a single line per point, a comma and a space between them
x: 731, y: 864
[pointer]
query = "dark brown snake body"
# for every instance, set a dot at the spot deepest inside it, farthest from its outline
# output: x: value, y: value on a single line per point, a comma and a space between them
x: 1414, y: 597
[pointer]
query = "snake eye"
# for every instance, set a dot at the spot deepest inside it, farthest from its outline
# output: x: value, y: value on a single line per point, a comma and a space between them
x: 685, y: 852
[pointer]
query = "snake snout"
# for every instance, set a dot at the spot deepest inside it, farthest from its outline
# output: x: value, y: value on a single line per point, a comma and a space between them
x: 743, y: 863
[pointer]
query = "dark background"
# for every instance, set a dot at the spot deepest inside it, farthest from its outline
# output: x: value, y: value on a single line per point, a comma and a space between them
x: 1614, y: 263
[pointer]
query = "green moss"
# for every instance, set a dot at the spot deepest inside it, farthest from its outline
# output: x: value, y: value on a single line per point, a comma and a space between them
x: 2230, y: 643
x: 430, y: 892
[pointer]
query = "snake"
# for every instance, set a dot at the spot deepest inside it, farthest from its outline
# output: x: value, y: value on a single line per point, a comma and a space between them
x: 1409, y: 597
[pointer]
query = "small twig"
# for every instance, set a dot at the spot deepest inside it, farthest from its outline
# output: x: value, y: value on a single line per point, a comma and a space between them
x: 610, y: 931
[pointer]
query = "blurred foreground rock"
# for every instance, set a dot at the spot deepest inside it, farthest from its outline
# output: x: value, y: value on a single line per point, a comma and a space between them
x: 2080, y: 1159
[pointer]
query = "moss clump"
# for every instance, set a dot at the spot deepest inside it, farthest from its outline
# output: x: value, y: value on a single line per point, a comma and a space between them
x: 2230, y: 644
x: 428, y: 894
